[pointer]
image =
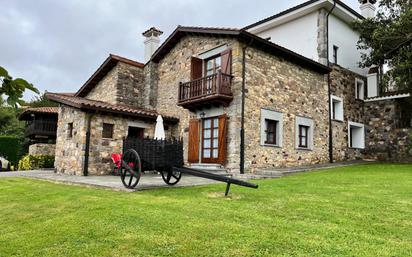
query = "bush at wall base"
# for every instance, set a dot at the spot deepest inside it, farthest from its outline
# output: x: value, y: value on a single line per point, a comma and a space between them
x: 32, y: 162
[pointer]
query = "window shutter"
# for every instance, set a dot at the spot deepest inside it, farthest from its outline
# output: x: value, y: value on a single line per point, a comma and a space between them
x: 193, y: 151
x: 196, y: 68
x: 227, y: 61
x: 222, y: 138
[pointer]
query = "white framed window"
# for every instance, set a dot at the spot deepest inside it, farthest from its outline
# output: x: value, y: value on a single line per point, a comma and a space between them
x: 336, y: 108
x: 335, y: 54
x: 359, y: 89
x: 271, y: 128
x: 304, y: 133
x: 356, y: 135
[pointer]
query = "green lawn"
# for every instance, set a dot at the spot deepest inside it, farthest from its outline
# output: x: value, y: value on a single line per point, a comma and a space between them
x: 354, y: 211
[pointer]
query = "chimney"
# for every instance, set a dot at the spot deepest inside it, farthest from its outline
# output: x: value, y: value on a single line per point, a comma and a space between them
x: 151, y: 43
x: 367, y: 8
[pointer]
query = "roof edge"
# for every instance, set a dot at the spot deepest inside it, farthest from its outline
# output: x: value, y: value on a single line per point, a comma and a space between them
x: 297, y: 7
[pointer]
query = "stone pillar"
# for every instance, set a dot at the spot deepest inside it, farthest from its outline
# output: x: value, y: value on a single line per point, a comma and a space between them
x: 322, y: 37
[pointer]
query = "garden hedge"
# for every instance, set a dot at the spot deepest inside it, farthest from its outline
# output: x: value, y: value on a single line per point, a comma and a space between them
x: 32, y: 162
x: 11, y: 148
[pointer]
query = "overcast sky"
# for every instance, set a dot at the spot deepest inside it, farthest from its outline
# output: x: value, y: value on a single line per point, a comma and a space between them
x: 57, y: 45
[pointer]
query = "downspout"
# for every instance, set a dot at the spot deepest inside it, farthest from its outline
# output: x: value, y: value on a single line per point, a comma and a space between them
x: 329, y: 85
x: 87, y: 147
x: 242, y: 121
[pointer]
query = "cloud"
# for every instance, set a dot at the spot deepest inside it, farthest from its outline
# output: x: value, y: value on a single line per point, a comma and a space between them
x: 57, y: 45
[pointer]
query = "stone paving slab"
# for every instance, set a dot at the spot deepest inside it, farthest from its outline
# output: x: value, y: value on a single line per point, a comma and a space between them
x: 147, y: 181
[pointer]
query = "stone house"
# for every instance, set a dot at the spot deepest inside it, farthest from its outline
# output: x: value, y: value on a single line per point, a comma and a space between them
x: 237, y: 99
x: 321, y: 30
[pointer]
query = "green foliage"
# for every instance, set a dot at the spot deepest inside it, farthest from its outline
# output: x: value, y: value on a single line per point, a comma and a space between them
x: 360, y: 210
x: 11, y: 148
x: 9, y: 123
x: 13, y: 88
x: 41, y: 101
x: 32, y: 162
x: 388, y: 36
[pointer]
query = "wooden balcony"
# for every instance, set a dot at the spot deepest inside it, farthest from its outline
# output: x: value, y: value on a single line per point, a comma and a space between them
x: 42, y: 128
x: 214, y: 89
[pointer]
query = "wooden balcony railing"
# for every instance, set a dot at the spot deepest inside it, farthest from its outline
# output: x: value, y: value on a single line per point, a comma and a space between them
x: 42, y: 128
x: 218, y: 85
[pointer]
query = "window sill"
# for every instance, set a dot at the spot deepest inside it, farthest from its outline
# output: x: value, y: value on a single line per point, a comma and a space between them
x: 356, y: 148
x: 340, y: 121
x: 303, y: 149
x: 270, y: 145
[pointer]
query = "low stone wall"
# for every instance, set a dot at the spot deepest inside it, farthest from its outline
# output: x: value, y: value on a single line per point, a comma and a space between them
x: 42, y: 149
x: 385, y: 140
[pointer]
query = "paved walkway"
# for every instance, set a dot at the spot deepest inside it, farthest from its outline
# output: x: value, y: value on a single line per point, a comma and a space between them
x: 148, y: 181
x: 112, y: 182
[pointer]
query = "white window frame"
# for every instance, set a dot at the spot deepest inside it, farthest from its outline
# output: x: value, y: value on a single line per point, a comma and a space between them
x: 305, y: 122
x: 339, y: 115
x: 361, y: 144
x: 267, y: 114
x: 362, y: 96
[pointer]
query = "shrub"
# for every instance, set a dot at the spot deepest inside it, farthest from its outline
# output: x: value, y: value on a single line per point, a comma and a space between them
x: 11, y: 148
x: 32, y: 162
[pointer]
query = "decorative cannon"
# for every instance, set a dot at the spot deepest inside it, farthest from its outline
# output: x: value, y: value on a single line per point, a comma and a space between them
x: 166, y: 157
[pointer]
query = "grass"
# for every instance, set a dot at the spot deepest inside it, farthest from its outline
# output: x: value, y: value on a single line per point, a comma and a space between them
x: 352, y: 211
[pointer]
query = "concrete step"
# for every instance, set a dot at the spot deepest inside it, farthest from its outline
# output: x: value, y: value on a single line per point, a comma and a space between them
x: 211, y: 168
x: 206, y: 166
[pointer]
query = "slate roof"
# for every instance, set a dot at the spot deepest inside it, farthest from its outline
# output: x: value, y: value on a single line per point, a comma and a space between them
x: 45, y: 110
x: 121, y: 109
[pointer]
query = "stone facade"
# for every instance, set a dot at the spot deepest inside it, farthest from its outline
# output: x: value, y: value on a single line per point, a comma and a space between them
x: 69, y: 157
x: 70, y: 151
x: 272, y: 83
x: 385, y: 139
x: 175, y: 67
x: 343, y: 86
x: 100, y: 162
x: 42, y: 149
x: 124, y: 84
x: 282, y: 86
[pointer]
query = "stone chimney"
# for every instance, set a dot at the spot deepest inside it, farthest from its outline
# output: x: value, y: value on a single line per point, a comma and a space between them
x: 367, y: 8
x: 151, y: 43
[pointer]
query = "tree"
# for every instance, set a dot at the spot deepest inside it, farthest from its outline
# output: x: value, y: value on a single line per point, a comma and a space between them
x: 41, y: 101
x: 13, y: 89
x: 387, y: 39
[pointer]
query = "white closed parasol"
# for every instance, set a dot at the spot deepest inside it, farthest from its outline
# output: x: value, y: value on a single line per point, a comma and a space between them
x: 159, y: 129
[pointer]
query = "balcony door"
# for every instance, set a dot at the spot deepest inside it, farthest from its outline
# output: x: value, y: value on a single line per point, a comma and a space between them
x: 210, y: 140
x: 207, y: 140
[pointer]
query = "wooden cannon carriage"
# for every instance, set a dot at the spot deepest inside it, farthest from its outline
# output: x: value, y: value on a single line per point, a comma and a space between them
x: 165, y: 157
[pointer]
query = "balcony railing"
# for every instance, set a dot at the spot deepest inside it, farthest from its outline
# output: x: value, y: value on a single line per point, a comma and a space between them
x: 42, y: 128
x: 216, y: 86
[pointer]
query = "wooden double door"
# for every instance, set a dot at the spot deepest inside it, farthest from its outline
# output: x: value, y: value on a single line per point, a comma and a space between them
x: 207, y: 140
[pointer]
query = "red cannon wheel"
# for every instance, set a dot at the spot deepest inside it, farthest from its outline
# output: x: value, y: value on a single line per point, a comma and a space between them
x: 171, y: 177
x: 131, y: 169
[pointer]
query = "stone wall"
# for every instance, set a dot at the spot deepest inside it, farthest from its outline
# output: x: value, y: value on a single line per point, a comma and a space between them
x: 385, y: 140
x: 276, y: 84
x: 69, y: 157
x: 106, y: 89
x: 42, y: 149
x: 70, y: 151
x: 175, y: 67
x: 100, y: 162
x: 343, y: 86
x: 123, y: 84
x: 130, y: 85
